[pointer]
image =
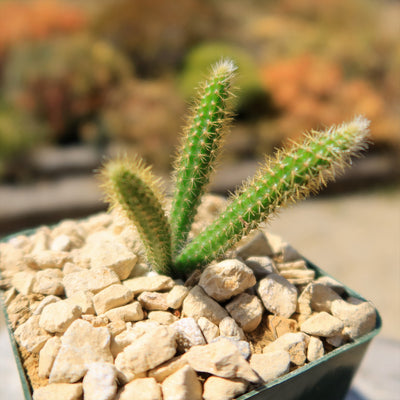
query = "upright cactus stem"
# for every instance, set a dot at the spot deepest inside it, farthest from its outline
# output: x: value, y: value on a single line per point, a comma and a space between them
x: 201, y: 145
x: 131, y: 188
x: 290, y: 176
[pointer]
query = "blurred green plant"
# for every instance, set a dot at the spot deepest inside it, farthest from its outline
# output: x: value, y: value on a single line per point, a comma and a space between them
x: 64, y: 82
x: 18, y: 133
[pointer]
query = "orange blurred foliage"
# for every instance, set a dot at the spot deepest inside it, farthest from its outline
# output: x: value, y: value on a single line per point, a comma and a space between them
x: 311, y: 91
x: 36, y: 20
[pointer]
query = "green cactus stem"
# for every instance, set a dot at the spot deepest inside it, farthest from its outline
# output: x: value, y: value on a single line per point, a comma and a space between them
x: 131, y: 188
x: 292, y: 175
x: 200, y: 147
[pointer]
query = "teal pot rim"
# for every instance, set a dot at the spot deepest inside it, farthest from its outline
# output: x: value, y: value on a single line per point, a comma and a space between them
x: 259, y: 393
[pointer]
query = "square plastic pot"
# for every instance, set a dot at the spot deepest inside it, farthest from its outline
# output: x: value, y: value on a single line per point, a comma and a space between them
x: 328, y: 378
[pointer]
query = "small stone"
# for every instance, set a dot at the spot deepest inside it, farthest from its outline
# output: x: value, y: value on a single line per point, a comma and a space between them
x: 116, y: 327
x: 48, y: 259
x: 49, y: 281
x: 47, y: 356
x: 242, y: 345
x: 258, y: 245
x: 105, y: 251
x: 168, y: 368
x: 331, y: 283
x: 278, y: 295
x: 46, y: 301
x: 335, y: 341
x: 226, y: 279
x: 298, y: 277
x: 315, y: 349
x: 153, y: 301
x: 197, y: 304
x: 61, y: 243
x: 282, y: 250
x: 304, y: 302
x: 93, y: 280
x: 299, y: 265
x: 246, y: 310
x: 280, y: 326
x: 9, y: 295
x: 322, y: 324
x: 40, y: 239
x: 358, y: 319
x: 294, y: 343
x: 96, y: 320
x: 72, y: 230
x: 111, y: 297
x: 261, y: 266
x: 322, y: 297
x: 59, y: 391
x: 152, y: 283
x: 182, y: 385
x: 270, y: 366
x: 83, y: 300
x: 100, y: 382
x: 216, y: 388
x: 229, y: 327
x: 149, y: 350
x: 30, y: 335
x: 23, y: 281
x: 187, y: 334
x: 11, y: 257
x: 129, y: 313
x: 141, y: 388
x: 81, y: 345
x: 70, y: 268
x: 222, y: 359
x: 210, y: 331
x: 58, y: 316
x: 176, y: 296
x: 163, y: 317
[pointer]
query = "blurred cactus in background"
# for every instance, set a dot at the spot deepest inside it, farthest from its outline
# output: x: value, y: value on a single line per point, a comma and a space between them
x: 64, y: 82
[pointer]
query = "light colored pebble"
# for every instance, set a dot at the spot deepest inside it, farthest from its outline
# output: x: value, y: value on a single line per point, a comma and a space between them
x: 210, y: 331
x: 153, y: 301
x: 198, y: 304
x: 61, y: 243
x: 246, y: 310
x: 58, y: 316
x: 294, y: 343
x: 176, y: 296
x: 49, y: 281
x: 315, y: 349
x: 222, y: 359
x: 47, y: 259
x: 298, y: 277
x: 93, y: 280
x: 270, y: 366
x: 182, y: 385
x: 141, y: 388
x: 226, y: 279
x: 30, y: 335
x: 129, y: 313
x: 23, y: 281
x: 84, y: 300
x: 322, y: 324
x: 261, y: 266
x: 216, y: 388
x: 280, y: 326
x: 81, y: 345
x: 152, y: 283
x: 96, y: 320
x: 100, y: 381
x: 229, y: 327
x: 168, y: 368
x: 59, y: 391
x: 47, y: 356
x: 322, y: 297
x: 278, y: 295
x: 46, y: 301
x: 335, y: 341
x: 187, y: 334
x: 111, y: 297
x: 163, y: 317
x: 256, y: 245
x: 298, y: 265
x: 242, y: 345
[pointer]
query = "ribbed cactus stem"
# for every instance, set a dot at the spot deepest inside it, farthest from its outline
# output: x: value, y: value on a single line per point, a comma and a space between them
x: 292, y: 175
x: 131, y: 188
x: 201, y: 145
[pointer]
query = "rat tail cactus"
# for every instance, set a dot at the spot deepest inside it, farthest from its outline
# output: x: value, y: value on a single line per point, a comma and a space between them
x: 291, y: 175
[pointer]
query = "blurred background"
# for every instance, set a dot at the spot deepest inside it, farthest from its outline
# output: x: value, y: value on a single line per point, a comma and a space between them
x: 81, y: 81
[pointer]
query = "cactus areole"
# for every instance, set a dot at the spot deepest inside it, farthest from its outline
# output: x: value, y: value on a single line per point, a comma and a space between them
x: 292, y: 174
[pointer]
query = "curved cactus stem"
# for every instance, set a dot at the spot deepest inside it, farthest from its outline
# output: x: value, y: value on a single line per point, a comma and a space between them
x: 131, y: 188
x: 201, y: 144
x: 291, y: 175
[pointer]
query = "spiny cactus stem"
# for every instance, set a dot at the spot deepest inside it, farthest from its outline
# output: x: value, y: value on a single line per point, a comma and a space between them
x: 201, y: 145
x: 290, y: 176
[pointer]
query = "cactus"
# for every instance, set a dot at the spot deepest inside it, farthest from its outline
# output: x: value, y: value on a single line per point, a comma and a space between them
x: 132, y: 187
x: 291, y: 175
x: 200, y: 147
